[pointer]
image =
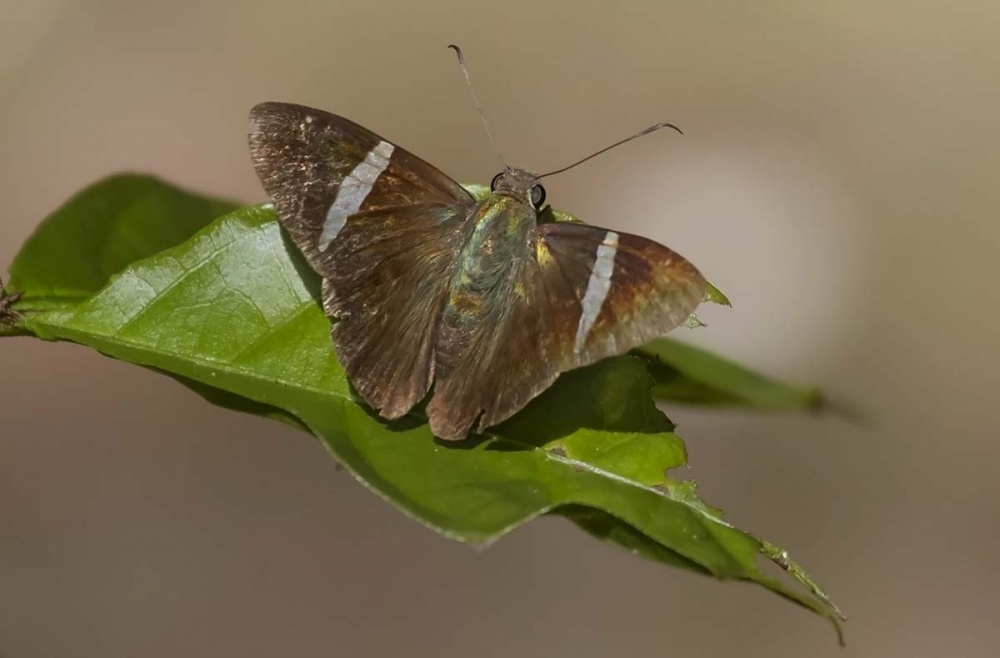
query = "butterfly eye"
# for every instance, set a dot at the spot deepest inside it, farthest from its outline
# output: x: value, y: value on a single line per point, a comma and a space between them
x: 537, y: 196
x: 493, y: 183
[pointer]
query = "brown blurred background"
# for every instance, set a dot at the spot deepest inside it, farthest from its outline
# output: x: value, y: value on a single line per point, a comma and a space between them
x: 838, y: 180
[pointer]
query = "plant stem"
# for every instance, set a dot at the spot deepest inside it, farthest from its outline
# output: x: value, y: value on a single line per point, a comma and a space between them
x: 9, y: 318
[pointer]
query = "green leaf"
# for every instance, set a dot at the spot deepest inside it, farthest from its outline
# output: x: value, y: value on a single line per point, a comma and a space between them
x: 690, y: 375
x: 479, y: 192
x: 716, y: 296
x: 100, y: 231
x: 234, y: 314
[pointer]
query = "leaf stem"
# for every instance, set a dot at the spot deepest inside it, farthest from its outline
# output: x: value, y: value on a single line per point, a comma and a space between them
x: 9, y: 318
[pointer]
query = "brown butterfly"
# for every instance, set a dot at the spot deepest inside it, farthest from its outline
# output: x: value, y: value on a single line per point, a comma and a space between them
x: 484, y: 300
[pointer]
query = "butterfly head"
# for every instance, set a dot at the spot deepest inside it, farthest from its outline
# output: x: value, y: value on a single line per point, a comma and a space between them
x: 521, y: 185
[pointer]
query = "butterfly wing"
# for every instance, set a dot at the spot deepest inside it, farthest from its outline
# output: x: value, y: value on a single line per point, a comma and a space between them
x: 383, y: 229
x: 577, y: 295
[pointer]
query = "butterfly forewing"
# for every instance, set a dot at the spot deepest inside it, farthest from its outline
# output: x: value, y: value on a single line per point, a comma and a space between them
x: 304, y: 157
x: 629, y: 290
x: 382, y: 227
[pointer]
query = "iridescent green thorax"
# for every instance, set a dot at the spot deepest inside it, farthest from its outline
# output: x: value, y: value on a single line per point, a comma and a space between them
x: 501, y: 231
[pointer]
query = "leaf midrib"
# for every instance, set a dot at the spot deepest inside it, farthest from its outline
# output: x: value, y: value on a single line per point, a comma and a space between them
x: 204, y: 363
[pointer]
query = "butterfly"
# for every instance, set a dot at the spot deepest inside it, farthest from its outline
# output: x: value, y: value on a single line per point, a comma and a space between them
x: 480, y: 302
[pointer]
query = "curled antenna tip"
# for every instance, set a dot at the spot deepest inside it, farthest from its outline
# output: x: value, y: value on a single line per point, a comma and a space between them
x: 475, y: 99
x: 659, y: 126
x: 641, y: 133
x: 458, y: 51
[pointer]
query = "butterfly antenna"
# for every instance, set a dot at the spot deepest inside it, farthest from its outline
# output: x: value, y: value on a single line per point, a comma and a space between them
x: 641, y: 133
x: 475, y: 99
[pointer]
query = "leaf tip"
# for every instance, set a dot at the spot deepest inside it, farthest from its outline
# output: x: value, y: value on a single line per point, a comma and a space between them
x: 830, y: 610
x: 716, y: 296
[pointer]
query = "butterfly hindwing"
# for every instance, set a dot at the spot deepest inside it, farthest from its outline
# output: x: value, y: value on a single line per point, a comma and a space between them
x: 387, y: 299
x: 381, y: 226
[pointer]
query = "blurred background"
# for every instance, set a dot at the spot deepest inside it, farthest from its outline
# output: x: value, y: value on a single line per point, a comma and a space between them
x: 838, y: 180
